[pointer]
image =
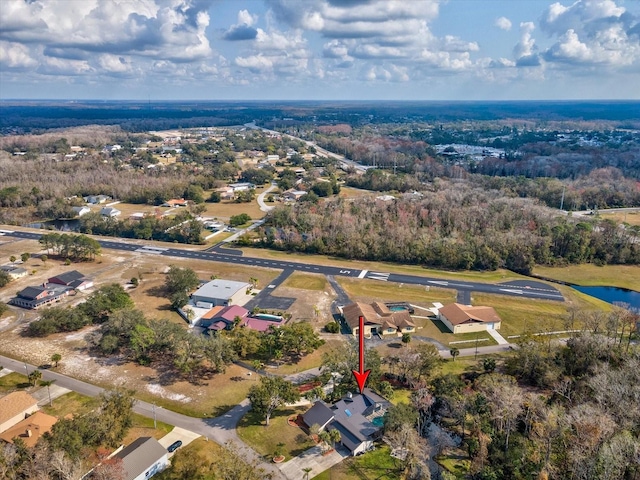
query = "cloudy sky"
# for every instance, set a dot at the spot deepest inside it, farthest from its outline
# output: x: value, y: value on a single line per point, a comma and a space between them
x: 320, y: 49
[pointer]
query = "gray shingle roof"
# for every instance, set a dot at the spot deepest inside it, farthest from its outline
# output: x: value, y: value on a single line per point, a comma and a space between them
x: 319, y: 414
x: 140, y: 455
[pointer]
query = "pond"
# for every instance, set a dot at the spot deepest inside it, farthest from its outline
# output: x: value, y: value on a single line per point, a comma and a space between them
x: 72, y: 225
x: 613, y: 294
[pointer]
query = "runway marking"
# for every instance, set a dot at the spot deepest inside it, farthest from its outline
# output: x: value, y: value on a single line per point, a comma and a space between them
x: 363, y: 273
x: 438, y: 282
x: 511, y: 290
x: 378, y: 276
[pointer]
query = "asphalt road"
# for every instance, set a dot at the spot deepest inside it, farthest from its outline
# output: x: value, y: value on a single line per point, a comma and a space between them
x: 529, y: 289
x: 220, y: 429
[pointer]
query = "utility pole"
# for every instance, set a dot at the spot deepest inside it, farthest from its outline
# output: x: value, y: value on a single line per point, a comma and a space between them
x: 562, y: 200
x: 476, y: 357
x: 155, y: 422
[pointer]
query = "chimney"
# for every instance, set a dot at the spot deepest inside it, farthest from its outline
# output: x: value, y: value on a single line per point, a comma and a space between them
x: 29, y: 433
x: 349, y: 395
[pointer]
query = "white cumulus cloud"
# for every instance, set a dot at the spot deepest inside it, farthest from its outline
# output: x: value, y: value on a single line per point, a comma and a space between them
x: 503, y: 23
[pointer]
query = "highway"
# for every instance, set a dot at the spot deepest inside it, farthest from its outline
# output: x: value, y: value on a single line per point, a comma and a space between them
x: 520, y: 288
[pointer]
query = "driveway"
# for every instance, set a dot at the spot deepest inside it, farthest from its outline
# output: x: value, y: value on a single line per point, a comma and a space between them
x: 263, y: 206
x: 313, y: 459
x: 176, y: 434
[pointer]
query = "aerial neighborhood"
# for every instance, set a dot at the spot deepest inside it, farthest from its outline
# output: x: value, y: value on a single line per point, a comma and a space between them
x: 320, y: 298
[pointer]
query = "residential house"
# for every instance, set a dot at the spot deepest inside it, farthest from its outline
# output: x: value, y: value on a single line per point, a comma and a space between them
x: 293, y: 195
x: 30, y: 429
x: 464, y: 318
x: 96, y: 199
x: 14, y: 271
x: 72, y: 279
x: 81, y: 210
x: 14, y: 408
x: 176, y: 202
x: 143, y: 458
x: 239, y: 187
x: 219, y: 292
x: 358, y: 418
x: 378, y: 319
x: 273, y: 158
x: 36, y: 296
x: 221, y: 318
x: 226, y: 193
x: 110, y: 212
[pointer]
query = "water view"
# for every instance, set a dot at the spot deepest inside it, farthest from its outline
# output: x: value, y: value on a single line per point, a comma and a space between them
x: 613, y: 295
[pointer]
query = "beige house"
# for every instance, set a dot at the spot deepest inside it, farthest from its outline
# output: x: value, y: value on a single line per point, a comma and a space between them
x: 30, y: 429
x: 378, y: 319
x: 464, y: 318
x: 14, y: 408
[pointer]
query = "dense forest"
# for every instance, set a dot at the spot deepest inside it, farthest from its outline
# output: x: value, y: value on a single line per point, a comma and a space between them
x: 455, y: 226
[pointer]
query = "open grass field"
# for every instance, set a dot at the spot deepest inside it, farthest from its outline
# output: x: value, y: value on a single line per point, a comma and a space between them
x: 632, y: 218
x: 497, y: 276
x: 362, y: 289
x: 227, y: 208
x: 350, y: 192
x: 306, y: 281
x: 587, y: 274
x: 264, y: 440
x: 377, y: 464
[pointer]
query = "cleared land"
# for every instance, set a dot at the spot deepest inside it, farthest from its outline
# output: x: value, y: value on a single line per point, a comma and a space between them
x: 306, y: 281
x: 632, y: 218
x: 587, y: 274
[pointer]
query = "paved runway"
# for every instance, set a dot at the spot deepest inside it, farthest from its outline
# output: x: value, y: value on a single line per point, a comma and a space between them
x: 529, y: 289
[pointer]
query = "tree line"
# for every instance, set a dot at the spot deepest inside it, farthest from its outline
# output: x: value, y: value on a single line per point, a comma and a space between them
x: 550, y: 411
x: 74, y: 247
x: 456, y: 226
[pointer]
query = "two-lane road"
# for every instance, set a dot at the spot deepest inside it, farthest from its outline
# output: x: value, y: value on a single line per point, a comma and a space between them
x: 524, y: 288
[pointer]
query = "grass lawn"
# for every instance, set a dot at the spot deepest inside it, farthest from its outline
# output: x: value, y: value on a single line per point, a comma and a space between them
x: 587, y: 274
x: 309, y: 361
x: 12, y: 382
x: 497, y: 276
x: 143, y: 427
x: 375, y: 465
x: 306, y: 281
x: 71, y: 403
x: 252, y: 430
x: 370, y: 290
x: 632, y: 218
x: 456, y: 462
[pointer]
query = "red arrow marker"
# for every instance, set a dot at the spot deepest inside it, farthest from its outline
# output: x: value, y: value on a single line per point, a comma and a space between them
x: 361, y: 376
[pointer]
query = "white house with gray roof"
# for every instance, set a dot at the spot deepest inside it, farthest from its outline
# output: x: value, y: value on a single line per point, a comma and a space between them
x: 220, y: 293
x: 143, y: 458
x: 358, y: 418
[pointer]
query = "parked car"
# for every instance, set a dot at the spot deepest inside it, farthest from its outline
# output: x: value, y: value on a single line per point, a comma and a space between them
x: 174, y: 446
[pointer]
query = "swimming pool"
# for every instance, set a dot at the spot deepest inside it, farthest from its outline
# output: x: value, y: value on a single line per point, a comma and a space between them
x: 397, y: 309
x: 378, y: 421
x: 266, y: 316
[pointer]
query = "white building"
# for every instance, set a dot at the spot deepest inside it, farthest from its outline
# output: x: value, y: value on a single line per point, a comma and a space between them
x: 220, y: 292
x: 143, y: 458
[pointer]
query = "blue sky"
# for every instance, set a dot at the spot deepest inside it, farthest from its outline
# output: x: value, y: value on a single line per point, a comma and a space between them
x: 320, y: 49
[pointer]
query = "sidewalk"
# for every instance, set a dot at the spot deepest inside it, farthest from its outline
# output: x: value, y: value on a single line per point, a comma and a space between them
x: 42, y: 395
x: 497, y: 337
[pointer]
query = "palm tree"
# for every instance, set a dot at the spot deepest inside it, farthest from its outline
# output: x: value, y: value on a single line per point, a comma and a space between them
x: 55, y: 358
x: 334, y: 436
x: 35, y: 376
x: 48, y: 383
x: 254, y: 282
x: 454, y: 353
x: 306, y: 472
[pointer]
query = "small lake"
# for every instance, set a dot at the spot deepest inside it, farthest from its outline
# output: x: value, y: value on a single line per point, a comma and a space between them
x: 613, y: 294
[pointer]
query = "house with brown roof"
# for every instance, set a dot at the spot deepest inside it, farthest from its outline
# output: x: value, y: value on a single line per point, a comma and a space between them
x: 464, y: 318
x: 30, y: 429
x: 378, y: 319
x: 14, y: 408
